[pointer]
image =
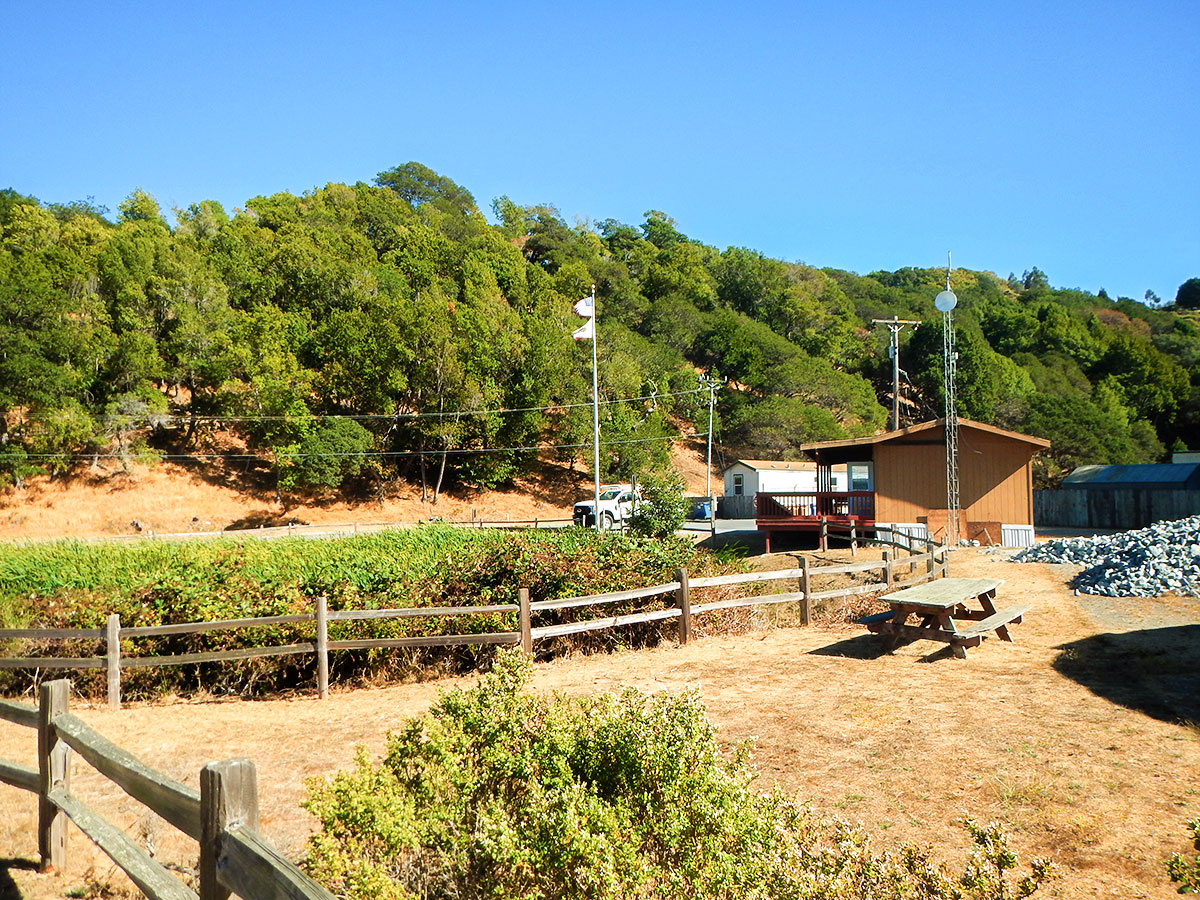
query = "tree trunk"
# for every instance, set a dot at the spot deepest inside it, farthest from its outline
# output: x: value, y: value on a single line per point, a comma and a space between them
x: 424, y: 481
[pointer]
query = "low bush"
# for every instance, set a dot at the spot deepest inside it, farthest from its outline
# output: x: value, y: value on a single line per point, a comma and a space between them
x: 663, y: 507
x: 1185, y: 871
x: 499, y: 793
x: 77, y: 585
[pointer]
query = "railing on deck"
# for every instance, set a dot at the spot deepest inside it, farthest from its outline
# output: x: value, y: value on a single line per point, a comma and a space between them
x: 814, y: 504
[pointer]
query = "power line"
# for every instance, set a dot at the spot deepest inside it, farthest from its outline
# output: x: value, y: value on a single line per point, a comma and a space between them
x: 125, y: 419
x: 375, y: 454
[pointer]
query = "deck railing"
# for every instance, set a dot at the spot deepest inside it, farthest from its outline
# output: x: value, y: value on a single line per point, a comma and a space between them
x: 815, y: 504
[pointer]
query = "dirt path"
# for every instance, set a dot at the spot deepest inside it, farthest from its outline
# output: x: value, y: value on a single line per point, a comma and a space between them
x: 1071, y: 735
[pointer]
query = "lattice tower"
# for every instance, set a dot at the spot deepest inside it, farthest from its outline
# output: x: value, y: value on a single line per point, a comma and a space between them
x: 950, y: 367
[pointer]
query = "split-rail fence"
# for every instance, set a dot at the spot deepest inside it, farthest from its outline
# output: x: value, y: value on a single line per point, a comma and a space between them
x: 934, y: 561
x: 223, y: 815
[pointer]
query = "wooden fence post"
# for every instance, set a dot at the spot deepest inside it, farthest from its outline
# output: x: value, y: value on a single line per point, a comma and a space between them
x: 931, y: 563
x: 322, y: 615
x: 53, y: 772
x: 112, y: 659
x: 824, y: 534
x: 888, y: 577
x: 806, y: 601
x: 228, y: 797
x: 685, y: 606
x: 946, y: 559
x: 526, y: 620
x: 853, y: 539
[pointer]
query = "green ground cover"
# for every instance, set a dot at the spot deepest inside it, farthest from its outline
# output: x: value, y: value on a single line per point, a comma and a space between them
x: 71, y: 584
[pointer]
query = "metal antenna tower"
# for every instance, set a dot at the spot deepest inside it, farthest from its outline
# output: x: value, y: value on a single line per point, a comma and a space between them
x: 946, y: 301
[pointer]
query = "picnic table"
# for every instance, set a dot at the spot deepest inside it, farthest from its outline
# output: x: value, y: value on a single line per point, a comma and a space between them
x: 939, y: 607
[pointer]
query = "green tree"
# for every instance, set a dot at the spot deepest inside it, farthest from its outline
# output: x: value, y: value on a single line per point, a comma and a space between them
x: 140, y: 207
x: 1151, y: 384
x: 776, y: 426
x: 336, y: 449
x: 663, y: 507
x: 1188, y: 295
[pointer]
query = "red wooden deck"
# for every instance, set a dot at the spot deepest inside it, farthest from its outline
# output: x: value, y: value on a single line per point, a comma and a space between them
x: 806, y: 511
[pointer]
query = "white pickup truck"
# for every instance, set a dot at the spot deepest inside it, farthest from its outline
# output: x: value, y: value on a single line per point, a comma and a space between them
x: 617, y: 503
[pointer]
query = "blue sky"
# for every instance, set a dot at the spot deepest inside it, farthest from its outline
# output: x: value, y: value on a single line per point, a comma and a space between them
x: 863, y: 136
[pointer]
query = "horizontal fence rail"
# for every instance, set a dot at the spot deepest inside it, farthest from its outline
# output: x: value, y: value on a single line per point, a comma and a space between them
x: 222, y: 816
x: 675, y: 594
x: 346, y: 529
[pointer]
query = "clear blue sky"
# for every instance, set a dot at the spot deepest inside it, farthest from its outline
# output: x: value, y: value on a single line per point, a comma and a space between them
x: 863, y: 136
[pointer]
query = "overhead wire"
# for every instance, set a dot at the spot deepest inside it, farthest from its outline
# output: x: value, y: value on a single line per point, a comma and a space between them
x: 380, y: 454
x: 215, y: 417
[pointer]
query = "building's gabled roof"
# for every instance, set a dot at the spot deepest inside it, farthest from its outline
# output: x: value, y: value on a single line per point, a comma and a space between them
x: 774, y: 465
x: 1179, y: 476
x: 886, y: 436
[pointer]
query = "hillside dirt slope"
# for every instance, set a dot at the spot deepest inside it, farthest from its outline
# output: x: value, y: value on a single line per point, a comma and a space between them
x: 172, y: 498
x: 1074, y: 735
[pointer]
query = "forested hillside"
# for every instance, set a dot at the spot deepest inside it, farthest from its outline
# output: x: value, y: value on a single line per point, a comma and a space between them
x: 362, y: 333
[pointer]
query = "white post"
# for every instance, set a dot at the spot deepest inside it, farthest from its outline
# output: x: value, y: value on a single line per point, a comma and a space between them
x: 595, y: 416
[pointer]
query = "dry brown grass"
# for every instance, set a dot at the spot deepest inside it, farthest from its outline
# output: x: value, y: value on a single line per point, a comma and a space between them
x: 169, y: 498
x: 907, y: 743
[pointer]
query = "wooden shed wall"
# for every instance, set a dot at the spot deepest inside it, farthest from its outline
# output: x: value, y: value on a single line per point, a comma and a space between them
x: 910, y: 479
x: 995, y: 479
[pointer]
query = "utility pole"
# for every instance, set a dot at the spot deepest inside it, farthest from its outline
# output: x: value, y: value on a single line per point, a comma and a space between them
x: 713, y: 385
x: 595, y: 416
x: 587, y: 332
x: 895, y: 325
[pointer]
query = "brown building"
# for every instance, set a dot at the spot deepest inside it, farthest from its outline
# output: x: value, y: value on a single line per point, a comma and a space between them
x: 897, y: 480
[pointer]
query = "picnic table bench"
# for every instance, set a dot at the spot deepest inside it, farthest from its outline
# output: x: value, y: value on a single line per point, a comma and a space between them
x: 940, y: 606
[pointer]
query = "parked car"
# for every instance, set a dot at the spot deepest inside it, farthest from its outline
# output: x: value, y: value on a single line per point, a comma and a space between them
x: 617, y: 503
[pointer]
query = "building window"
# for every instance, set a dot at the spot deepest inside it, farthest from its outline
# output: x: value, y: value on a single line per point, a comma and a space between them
x: 739, y: 485
x: 860, y: 476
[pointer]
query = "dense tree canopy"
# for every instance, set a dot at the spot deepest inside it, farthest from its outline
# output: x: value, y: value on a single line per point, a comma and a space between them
x: 388, y: 330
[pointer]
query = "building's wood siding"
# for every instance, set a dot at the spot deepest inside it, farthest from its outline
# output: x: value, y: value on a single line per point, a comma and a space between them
x: 995, y: 478
x: 994, y: 475
x: 909, y: 480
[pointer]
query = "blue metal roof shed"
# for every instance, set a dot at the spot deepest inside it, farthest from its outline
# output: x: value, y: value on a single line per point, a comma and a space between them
x: 1165, y: 476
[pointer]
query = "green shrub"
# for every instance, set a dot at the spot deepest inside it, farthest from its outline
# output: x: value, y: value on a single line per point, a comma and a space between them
x: 325, y: 458
x: 72, y: 584
x: 499, y: 793
x: 1186, y: 872
x: 663, y: 508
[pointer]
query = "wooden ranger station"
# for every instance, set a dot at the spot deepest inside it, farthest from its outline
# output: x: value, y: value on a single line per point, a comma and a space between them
x: 897, y: 481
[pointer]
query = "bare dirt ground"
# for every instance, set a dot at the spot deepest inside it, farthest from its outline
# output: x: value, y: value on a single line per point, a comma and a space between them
x: 1081, y: 735
x: 171, y: 498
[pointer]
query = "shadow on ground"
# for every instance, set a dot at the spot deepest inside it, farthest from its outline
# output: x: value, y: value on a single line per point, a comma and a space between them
x: 1155, y: 671
x: 8, y: 887
x: 862, y: 646
x: 872, y: 646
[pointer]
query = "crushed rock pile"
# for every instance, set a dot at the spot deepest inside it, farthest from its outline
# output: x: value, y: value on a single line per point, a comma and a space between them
x: 1161, y: 559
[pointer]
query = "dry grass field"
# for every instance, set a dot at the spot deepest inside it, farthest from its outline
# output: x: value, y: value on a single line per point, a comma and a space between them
x: 103, y: 501
x: 1081, y: 735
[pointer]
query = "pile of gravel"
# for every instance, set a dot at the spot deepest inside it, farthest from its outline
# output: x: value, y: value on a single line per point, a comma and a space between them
x: 1161, y: 559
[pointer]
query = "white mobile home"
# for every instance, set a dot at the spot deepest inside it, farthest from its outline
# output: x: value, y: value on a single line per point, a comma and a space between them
x: 747, y: 477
